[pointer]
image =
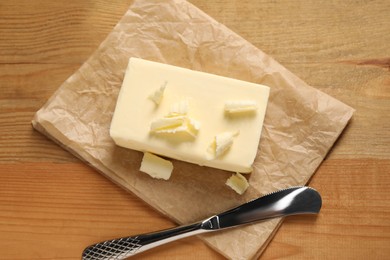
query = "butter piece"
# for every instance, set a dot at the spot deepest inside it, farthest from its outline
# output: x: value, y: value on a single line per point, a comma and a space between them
x: 157, y: 95
x: 222, y: 142
x: 167, y: 123
x: 206, y: 95
x: 156, y: 166
x: 175, y: 125
x: 238, y: 183
x: 186, y: 128
x: 178, y: 109
x: 240, y: 106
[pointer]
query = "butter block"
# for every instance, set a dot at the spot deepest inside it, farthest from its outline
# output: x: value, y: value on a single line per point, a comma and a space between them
x: 201, y: 98
x: 156, y: 167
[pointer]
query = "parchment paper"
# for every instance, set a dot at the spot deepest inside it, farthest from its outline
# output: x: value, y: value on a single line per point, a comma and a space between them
x: 300, y: 127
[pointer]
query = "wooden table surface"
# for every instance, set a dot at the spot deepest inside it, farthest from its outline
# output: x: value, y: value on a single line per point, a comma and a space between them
x: 52, y: 205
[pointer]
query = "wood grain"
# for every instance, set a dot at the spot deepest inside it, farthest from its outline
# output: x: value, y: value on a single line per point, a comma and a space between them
x: 52, y: 205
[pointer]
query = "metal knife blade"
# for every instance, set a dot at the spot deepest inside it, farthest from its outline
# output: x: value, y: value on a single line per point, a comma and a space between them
x: 291, y: 201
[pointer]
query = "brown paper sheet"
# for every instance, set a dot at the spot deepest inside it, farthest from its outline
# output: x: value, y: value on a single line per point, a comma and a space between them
x: 300, y: 127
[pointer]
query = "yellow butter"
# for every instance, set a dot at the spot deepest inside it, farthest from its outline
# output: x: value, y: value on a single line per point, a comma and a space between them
x: 238, y: 183
x: 167, y: 123
x: 240, y: 106
x: 158, y: 94
x: 206, y: 95
x: 156, y: 167
x: 178, y: 109
x: 221, y: 144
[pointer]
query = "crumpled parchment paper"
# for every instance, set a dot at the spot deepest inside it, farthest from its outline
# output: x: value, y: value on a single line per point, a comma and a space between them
x: 300, y: 127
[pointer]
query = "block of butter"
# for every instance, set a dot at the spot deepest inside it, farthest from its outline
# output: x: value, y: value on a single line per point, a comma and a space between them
x: 189, y: 115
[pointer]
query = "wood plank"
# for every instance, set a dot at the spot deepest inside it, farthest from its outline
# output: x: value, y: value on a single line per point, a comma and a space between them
x: 52, y: 205
x: 27, y: 87
x: 44, y: 31
x: 24, y: 89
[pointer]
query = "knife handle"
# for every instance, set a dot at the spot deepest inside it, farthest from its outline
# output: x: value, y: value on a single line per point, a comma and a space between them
x: 122, y: 248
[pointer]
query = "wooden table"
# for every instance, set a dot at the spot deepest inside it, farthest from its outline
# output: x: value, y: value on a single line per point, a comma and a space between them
x: 52, y: 205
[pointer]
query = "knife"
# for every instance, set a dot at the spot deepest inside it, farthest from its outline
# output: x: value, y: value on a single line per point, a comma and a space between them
x: 291, y: 201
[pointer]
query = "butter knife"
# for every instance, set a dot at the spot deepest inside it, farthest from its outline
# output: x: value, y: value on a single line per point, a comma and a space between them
x: 291, y: 201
